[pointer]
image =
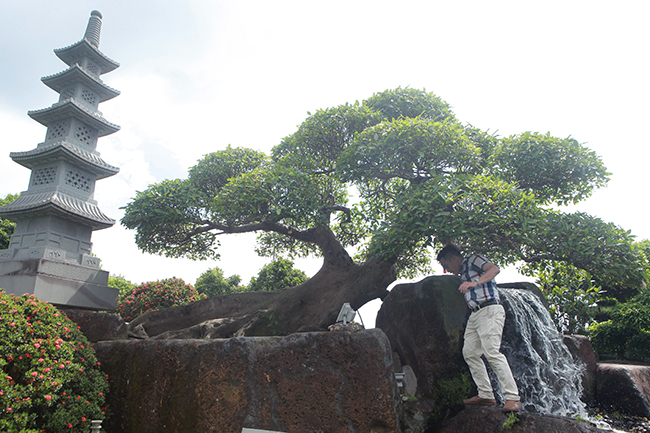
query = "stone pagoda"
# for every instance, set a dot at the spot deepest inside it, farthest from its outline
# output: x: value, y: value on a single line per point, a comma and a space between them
x: 50, y: 253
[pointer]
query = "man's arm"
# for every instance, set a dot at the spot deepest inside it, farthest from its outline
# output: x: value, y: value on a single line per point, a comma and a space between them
x: 490, y: 270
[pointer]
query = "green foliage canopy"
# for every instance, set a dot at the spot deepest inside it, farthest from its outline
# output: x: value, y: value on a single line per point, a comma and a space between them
x: 393, y: 175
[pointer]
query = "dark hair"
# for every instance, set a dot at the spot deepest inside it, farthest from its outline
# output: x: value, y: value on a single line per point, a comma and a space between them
x: 449, y: 251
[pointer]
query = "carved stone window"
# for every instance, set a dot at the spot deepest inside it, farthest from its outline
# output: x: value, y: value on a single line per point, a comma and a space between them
x: 67, y: 94
x: 84, y: 135
x: 89, y: 97
x: 56, y: 131
x: 77, y: 180
x: 93, y: 68
x: 43, y: 176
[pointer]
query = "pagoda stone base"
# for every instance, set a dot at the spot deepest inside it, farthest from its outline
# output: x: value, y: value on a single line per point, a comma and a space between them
x: 60, y: 283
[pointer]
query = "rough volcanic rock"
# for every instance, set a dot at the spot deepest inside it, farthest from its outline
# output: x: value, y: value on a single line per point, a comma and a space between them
x: 98, y: 326
x: 425, y: 322
x: 624, y: 388
x: 308, y: 382
x: 491, y: 420
x: 581, y: 350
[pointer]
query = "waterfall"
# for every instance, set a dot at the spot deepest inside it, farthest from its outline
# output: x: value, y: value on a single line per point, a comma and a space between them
x: 548, y: 377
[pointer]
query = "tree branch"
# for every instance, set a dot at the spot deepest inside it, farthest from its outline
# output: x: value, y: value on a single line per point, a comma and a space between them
x: 267, y: 226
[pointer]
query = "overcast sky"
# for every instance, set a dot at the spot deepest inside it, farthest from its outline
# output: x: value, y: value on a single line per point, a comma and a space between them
x: 196, y: 76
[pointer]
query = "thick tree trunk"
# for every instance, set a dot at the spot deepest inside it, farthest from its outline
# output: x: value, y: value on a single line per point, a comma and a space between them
x: 313, y: 305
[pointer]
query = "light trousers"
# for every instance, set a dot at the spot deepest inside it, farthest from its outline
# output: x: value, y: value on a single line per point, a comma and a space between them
x: 483, y: 337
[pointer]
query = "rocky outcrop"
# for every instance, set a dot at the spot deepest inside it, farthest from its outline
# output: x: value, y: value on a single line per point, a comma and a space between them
x: 424, y: 322
x: 582, y: 351
x: 98, y: 326
x: 624, y: 388
x: 491, y: 420
x: 322, y: 381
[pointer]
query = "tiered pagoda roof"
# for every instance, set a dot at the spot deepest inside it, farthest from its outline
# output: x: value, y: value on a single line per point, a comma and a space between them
x: 76, y: 74
x: 63, y: 150
x: 71, y: 108
x: 71, y: 152
x: 73, y: 53
x: 57, y: 203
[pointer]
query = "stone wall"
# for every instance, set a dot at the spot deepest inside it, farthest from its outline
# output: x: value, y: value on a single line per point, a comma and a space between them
x: 323, y: 381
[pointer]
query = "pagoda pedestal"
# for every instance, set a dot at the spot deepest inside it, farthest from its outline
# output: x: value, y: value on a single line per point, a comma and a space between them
x: 50, y: 252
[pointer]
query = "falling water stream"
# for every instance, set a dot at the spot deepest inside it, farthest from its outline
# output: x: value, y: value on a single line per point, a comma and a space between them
x: 548, y: 377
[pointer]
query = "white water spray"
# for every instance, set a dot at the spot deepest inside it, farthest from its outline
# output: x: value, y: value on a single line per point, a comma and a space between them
x: 548, y: 377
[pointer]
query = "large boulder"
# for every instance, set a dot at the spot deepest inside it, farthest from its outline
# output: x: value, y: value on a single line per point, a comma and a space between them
x: 425, y: 322
x: 492, y: 420
x: 624, y: 388
x: 98, y: 326
x: 308, y: 382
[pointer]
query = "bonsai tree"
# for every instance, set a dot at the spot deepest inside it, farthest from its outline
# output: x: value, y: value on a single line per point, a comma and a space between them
x: 392, y: 176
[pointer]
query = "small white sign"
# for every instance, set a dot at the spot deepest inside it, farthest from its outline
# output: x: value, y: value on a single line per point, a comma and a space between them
x: 254, y: 430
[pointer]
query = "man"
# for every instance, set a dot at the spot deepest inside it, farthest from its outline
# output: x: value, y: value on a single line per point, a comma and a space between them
x: 484, y: 326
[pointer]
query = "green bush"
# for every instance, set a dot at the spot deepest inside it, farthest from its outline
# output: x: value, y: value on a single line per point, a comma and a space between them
x: 156, y: 296
x: 279, y: 274
x: 626, y: 334
x: 638, y: 348
x: 213, y: 283
x: 6, y: 227
x: 50, y: 379
x: 125, y: 286
x: 609, y: 338
x: 571, y: 297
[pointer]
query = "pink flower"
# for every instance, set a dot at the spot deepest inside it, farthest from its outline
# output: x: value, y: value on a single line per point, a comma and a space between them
x: 47, y: 369
x: 48, y: 397
x: 33, y: 373
x: 36, y: 345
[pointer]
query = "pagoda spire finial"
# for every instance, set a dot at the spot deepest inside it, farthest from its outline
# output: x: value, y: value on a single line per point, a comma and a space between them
x: 94, y: 28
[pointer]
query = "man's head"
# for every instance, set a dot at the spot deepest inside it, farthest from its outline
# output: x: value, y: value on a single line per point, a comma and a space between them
x: 450, y: 258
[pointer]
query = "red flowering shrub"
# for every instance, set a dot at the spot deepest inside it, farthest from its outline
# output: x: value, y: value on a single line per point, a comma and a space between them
x: 156, y: 296
x: 50, y: 379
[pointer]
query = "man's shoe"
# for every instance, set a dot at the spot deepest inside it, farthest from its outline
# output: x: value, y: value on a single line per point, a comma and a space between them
x: 479, y: 401
x: 512, y: 406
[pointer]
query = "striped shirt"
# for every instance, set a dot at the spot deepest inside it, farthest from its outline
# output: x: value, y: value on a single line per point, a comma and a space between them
x: 470, y: 270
